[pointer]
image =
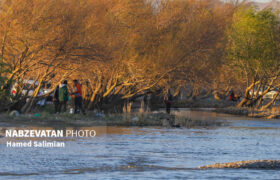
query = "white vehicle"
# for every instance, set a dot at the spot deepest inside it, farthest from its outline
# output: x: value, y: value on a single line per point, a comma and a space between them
x: 28, y: 88
x: 269, y: 95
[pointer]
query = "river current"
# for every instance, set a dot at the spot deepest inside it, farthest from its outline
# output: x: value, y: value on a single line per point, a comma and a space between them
x: 151, y: 152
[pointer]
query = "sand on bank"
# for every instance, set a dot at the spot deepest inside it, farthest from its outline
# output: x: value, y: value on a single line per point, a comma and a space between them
x: 250, y: 164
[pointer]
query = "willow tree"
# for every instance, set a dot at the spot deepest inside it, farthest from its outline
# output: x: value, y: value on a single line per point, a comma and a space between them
x: 253, y: 51
x: 39, y: 39
x: 191, y: 41
x: 144, y: 49
x: 4, y: 70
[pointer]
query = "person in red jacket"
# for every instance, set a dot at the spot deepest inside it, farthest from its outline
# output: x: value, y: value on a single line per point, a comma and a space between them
x: 78, y: 97
x: 232, y: 97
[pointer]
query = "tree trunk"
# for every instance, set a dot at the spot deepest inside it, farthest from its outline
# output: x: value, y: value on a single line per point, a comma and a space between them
x: 259, y: 102
x: 91, y: 103
x: 216, y: 95
x: 246, y: 95
x: 27, y: 107
x: 206, y: 95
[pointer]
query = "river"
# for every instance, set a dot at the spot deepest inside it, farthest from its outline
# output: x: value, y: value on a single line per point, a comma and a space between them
x: 151, y: 152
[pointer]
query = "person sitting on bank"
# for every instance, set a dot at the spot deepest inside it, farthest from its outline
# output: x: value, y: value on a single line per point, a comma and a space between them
x: 63, y: 96
x: 78, y: 97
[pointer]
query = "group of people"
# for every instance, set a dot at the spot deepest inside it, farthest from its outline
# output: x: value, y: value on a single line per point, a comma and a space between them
x: 62, y: 96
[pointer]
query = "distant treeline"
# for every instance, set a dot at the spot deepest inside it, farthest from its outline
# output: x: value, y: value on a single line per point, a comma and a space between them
x: 121, y: 50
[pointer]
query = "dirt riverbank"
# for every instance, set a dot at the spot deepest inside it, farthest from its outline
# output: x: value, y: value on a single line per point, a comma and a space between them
x: 92, y: 119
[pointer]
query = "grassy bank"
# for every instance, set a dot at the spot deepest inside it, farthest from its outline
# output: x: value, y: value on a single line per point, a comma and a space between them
x: 92, y: 119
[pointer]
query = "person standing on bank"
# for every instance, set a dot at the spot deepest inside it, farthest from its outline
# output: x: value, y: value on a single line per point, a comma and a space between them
x: 168, y: 100
x: 63, y: 96
x: 56, y: 99
x: 78, y: 97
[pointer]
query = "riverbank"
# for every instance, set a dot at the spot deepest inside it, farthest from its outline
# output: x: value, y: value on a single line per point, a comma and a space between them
x: 251, y: 164
x: 230, y: 107
x: 97, y: 119
x: 272, y: 113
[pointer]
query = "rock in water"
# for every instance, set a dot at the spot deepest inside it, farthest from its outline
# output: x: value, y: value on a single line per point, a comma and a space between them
x: 251, y: 164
